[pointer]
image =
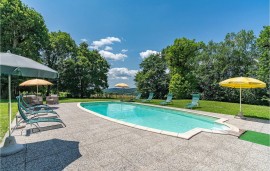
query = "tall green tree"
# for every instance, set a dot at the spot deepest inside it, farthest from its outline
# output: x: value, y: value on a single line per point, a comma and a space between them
x: 23, y: 30
x: 263, y: 43
x: 153, y: 76
x: 61, y: 46
x: 235, y: 56
x: 181, y: 61
x: 86, y: 73
x: 263, y: 72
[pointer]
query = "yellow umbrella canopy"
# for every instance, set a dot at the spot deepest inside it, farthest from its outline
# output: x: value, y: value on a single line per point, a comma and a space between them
x: 242, y: 82
x: 121, y: 85
x: 35, y: 82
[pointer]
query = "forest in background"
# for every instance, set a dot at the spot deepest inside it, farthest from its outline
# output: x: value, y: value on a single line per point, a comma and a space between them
x: 185, y: 67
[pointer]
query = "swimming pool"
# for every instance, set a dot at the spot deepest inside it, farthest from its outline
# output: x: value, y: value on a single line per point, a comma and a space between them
x: 157, y: 119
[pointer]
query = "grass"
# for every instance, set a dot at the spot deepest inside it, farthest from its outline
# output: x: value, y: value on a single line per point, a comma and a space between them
x: 256, y: 111
x: 4, y: 117
x: 256, y: 137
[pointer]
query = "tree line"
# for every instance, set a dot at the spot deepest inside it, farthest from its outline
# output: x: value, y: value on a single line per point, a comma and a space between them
x: 185, y: 67
x: 188, y: 66
x: 24, y: 32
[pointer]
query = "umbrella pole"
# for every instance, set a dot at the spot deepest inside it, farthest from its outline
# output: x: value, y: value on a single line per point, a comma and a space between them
x: 240, y: 100
x: 240, y: 112
x: 9, y: 104
x: 37, y: 89
x: 10, y: 146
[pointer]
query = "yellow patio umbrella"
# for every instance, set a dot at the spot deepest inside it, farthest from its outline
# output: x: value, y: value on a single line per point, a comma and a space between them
x: 242, y: 82
x: 121, y: 85
x: 35, y: 82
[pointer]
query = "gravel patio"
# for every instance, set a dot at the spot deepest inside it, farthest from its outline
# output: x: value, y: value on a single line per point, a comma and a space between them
x: 92, y: 143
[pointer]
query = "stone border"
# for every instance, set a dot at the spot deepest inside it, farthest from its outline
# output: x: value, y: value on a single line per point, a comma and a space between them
x: 186, y: 135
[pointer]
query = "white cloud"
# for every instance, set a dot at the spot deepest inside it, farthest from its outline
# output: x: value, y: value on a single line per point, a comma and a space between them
x: 124, y: 50
x: 102, y: 42
x: 147, y: 53
x: 110, y: 55
x: 121, y: 73
x: 108, y: 48
x: 84, y: 40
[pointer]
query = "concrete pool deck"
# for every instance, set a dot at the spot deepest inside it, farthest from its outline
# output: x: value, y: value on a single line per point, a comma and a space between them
x: 92, y: 143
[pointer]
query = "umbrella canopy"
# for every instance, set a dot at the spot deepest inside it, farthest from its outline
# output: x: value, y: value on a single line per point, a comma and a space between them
x: 121, y: 85
x: 11, y: 64
x: 242, y: 82
x: 36, y: 82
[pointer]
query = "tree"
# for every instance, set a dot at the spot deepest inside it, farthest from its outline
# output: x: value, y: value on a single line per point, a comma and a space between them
x: 23, y: 30
x: 235, y: 56
x: 263, y: 43
x: 153, y: 76
x: 61, y: 47
x: 263, y: 72
x: 87, y: 72
x: 181, y: 61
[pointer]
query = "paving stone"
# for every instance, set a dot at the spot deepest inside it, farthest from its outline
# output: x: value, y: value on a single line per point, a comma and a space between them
x: 254, y: 164
x: 181, y: 162
x: 83, y: 163
x: 51, y: 162
x: 12, y: 167
x: 159, y: 166
x: 135, y: 155
x: 163, y: 149
x: 39, y: 150
x: 228, y: 155
x: 201, y: 167
x: 92, y: 143
x: 107, y: 157
x: 68, y: 156
x: 217, y: 163
x: 13, y: 160
x: 120, y: 165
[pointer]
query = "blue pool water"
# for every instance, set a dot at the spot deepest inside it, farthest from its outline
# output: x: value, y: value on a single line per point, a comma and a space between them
x: 154, y: 117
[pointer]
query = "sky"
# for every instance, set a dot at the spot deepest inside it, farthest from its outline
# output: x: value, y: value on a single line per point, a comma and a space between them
x: 127, y: 31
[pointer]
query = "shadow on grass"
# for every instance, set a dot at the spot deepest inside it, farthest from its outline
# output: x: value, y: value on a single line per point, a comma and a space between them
x: 53, y: 154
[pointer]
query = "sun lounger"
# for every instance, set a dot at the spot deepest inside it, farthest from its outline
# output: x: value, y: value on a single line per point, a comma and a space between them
x: 35, y: 121
x: 168, y: 100
x: 194, y: 102
x: 150, y: 97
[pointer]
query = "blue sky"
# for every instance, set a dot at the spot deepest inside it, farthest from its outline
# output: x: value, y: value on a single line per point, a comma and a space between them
x: 126, y: 31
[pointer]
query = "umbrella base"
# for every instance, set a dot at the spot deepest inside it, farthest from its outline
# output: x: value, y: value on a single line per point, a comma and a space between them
x: 240, y: 116
x: 10, y: 147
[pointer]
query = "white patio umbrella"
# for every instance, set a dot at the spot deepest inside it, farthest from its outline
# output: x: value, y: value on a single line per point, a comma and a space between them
x: 11, y: 64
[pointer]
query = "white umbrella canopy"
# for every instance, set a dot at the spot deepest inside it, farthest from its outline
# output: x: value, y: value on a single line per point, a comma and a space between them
x: 11, y: 64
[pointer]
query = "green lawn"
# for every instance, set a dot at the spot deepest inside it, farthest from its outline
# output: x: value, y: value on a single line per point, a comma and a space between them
x: 256, y: 137
x: 255, y: 111
x: 209, y: 106
x: 4, y: 117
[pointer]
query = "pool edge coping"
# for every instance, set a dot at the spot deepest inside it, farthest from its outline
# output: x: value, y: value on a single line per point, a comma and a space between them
x: 187, y: 135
